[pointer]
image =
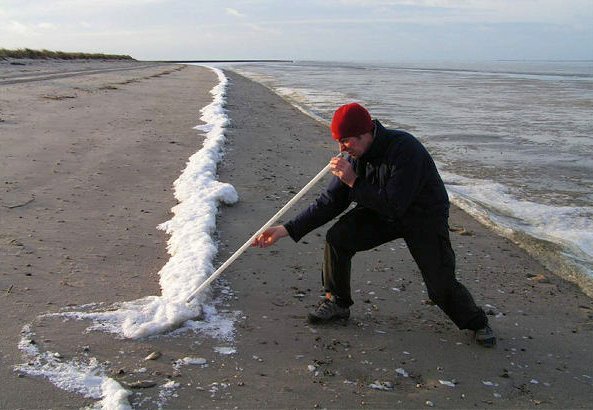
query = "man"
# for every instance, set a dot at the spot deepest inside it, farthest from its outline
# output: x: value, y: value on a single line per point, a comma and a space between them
x: 398, y: 194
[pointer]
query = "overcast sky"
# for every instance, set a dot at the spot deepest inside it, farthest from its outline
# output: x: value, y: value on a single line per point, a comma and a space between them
x: 345, y: 30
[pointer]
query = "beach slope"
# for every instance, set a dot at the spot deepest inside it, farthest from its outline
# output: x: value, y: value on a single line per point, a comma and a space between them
x: 397, y: 350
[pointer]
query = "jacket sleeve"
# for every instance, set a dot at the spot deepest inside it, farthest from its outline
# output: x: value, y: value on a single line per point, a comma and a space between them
x: 403, y: 184
x: 326, y: 207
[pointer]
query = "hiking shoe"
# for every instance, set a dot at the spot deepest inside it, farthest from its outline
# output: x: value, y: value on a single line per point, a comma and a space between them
x: 485, y: 336
x: 328, y: 311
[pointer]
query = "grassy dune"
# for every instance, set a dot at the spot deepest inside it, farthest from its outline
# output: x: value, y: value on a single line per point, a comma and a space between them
x: 59, y: 55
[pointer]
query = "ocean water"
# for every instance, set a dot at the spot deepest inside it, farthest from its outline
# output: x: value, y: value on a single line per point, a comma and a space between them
x: 512, y: 140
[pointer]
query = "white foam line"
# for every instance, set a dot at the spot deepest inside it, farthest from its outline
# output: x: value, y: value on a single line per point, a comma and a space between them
x: 192, y: 251
x: 190, y: 245
x: 545, y: 222
x: 84, y: 377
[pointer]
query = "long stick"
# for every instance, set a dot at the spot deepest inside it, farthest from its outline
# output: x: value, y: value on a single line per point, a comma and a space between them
x: 259, y: 232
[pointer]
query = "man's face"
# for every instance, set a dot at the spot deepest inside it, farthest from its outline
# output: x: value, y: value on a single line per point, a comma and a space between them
x: 356, y: 146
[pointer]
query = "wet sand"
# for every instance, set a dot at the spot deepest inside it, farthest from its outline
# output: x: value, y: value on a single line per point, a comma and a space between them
x: 87, y: 164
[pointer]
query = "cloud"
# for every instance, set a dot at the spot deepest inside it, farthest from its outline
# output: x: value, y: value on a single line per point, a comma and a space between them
x: 47, y: 26
x: 17, y: 28
x: 267, y: 27
x: 234, y: 12
x: 482, y: 11
x: 261, y: 29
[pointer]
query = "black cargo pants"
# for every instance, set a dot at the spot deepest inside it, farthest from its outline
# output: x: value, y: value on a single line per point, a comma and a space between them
x: 428, y: 241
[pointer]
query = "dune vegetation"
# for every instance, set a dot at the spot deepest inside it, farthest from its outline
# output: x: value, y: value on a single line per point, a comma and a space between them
x: 58, y: 55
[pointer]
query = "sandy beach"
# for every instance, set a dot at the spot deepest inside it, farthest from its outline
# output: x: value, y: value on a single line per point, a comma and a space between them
x: 87, y: 163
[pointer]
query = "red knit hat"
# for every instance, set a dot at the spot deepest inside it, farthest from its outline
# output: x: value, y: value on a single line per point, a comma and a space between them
x: 350, y: 120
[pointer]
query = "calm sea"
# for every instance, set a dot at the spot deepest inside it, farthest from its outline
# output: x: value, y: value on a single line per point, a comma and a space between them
x: 512, y: 140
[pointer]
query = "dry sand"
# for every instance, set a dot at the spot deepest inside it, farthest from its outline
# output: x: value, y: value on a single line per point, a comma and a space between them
x: 87, y: 164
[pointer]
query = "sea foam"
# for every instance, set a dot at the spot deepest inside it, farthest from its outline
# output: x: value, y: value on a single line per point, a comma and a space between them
x: 494, y: 205
x: 82, y: 376
x: 190, y: 245
x: 192, y: 251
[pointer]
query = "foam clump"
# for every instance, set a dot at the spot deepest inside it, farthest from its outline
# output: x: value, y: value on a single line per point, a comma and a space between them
x: 192, y: 251
x: 85, y: 377
x: 190, y: 245
x: 114, y: 396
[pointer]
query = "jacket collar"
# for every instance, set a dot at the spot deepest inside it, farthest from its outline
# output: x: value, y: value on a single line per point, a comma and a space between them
x: 379, y: 144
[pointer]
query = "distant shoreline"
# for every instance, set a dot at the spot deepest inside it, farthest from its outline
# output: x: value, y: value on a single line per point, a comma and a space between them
x: 226, y: 61
x: 545, y: 61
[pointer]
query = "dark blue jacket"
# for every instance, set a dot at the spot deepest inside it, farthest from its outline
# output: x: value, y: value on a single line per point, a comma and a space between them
x: 397, y: 179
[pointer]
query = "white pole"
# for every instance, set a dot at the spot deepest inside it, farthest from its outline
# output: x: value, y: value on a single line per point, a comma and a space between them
x: 259, y: 232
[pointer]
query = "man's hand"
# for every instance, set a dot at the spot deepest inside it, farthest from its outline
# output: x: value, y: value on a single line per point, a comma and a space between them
x: 341, y: 168
x: 270, y: 236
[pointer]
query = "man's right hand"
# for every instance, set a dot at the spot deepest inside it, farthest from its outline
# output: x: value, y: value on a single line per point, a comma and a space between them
x: 270, y: 236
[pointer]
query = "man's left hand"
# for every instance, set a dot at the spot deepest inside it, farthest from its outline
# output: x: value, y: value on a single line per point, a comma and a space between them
x: 341, y: 168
